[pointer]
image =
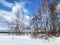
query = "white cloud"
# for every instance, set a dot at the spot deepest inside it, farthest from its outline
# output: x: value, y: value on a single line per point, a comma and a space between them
x: 17, y: 6
x: 27, y: 17
x: 27, y: 20
x: 20, y: 6
x: 5, y: 3
x: 58, y: 8
x: 10, y: 18
x: 7, y: 15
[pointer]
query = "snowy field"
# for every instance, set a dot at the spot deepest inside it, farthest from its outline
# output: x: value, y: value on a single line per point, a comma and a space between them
x: 26, y: 40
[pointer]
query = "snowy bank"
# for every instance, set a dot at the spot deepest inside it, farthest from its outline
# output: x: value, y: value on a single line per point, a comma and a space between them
x: 26, y: 40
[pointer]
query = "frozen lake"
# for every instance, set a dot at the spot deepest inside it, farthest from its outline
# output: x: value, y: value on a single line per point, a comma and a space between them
x: 25, y: 40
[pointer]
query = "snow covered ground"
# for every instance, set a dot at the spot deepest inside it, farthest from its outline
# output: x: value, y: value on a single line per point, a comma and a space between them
x: 26, y: 40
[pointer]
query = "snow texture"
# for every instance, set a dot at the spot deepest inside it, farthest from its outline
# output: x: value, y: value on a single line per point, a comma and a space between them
x: 26, y: 40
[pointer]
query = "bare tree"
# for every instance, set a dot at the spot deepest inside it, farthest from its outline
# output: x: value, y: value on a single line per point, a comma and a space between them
x: 53, y: 15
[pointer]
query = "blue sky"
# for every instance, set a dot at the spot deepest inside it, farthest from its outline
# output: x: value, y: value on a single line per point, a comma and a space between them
x: 29, y: 5
x: 8, y: 9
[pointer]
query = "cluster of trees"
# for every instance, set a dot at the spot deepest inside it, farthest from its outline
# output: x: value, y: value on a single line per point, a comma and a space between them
x: 46, y: 21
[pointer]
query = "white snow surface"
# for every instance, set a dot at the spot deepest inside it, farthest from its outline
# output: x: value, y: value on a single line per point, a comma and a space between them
x: 26, y: 40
